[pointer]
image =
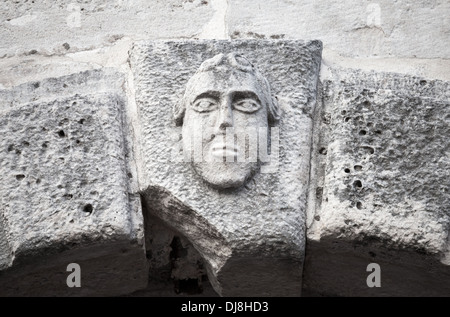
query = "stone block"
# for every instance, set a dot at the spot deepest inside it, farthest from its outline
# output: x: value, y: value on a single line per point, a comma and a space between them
x: 59, y: 27
x: 351, y: 28
x: 380, y: 191
x: 251, y: 237
x: 66, y: 192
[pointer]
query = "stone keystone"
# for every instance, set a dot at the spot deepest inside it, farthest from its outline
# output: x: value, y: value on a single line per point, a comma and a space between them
x: 224, y: 133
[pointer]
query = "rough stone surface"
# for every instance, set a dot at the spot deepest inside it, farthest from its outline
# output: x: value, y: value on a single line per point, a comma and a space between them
x: 251, y: 238
x: 381, y: 190
x: 66, y: 192
x: 51, y: 39
x: 56, y: 38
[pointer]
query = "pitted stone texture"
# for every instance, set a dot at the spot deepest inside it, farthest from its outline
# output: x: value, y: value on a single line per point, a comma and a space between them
x: 252, y: 238
x: 385, y: 189
x: 66, y: 188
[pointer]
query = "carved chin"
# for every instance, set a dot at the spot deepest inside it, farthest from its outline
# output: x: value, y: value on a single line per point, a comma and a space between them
x: 225, y: 175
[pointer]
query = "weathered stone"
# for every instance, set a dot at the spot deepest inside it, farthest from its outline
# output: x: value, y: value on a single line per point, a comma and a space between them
x: 350, y: 28
x: 250, y: 237
x: 66, y: 192
x: 64, y: 26
x: 226, y: 99
x: 380, y: 191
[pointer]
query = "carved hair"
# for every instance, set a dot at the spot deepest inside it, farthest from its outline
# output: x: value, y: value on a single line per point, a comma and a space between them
x: 227, y: 62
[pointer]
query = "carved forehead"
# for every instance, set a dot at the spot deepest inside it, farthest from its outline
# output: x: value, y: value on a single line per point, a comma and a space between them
x: 227, y: 72
x: 223, y: 83
x: 223, y: 73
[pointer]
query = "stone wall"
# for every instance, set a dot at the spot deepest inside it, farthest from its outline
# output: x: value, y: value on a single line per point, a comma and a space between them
x: 74, y: 148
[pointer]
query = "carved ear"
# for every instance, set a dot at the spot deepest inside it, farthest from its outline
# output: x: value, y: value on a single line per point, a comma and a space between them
x: 178, y: 111
x: 274, y: 110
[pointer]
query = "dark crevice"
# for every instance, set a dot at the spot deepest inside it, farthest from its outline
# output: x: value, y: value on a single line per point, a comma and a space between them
x: 88, y: 208
x: 188, y: 286
x: 357, y: 183
x: 177, y: 249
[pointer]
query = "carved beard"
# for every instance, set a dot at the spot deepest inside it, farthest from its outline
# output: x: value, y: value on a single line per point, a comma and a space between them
x: 217, y: 172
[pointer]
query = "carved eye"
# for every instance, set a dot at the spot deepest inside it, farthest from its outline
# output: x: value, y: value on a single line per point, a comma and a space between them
x: 247, y: 105
x: 204, y: 105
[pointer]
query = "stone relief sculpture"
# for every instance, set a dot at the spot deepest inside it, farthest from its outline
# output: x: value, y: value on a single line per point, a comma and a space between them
x: 244, y: 213
x: 226, y: 100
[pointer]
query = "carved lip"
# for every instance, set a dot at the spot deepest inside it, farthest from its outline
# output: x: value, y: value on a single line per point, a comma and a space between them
x: 222, y: 149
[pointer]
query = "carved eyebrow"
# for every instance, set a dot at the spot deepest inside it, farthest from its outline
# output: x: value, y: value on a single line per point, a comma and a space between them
x: 246, y: 94
x: 208, y: 94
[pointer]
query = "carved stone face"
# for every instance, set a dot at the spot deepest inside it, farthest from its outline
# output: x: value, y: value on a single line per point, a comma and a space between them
x: 224, y: 100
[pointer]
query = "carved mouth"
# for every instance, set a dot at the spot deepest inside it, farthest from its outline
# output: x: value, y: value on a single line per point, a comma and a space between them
x: 222, y: 149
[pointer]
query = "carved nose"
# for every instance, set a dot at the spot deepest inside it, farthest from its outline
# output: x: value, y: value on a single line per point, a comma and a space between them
x: 225, y: 117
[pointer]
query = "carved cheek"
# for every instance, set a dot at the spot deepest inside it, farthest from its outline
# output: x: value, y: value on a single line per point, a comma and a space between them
x: 250, y: 120
x: 209, y: 119
x: 195, y: 119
